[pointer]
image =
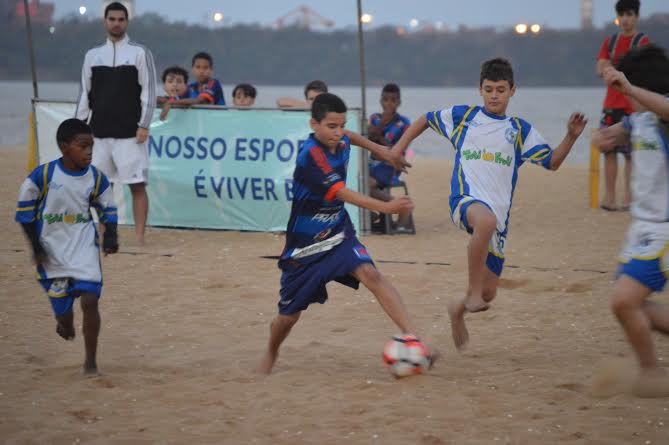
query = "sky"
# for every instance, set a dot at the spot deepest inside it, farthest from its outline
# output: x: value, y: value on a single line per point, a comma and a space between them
x: 452, y: 13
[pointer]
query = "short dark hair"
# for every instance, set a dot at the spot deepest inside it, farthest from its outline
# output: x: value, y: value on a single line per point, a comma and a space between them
x: 391, y: 88
x: 69, y: 129
x: 622, y: 6
x: 647, y: 67
x: 315, y: 85
x: 246, y: 88
x: 326, y: 103
x: 177, y: 71
x: 497, y: 69
x: 116, y: 6
x: 203, y: 55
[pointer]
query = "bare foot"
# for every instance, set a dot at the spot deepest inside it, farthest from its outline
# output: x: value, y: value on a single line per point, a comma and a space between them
x: 267, y: 362
x: 91, y: 370
x: 67, y: 332
x: 456, y: 311
x: 652, y: 384
x: 476, y: 304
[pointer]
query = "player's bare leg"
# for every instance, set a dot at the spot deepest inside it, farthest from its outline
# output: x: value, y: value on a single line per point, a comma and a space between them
x: 140, y: 209
x: 278, y: 331
x: 636, y: 317
x: 610, y: 173
x: 91, y: 329
x: 65, y: 325
x: 484, y: 224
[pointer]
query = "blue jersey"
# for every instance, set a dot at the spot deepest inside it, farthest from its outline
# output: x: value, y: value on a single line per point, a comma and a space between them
x: 393, y: 130
x: 318, y: 220
x: 211, y: 90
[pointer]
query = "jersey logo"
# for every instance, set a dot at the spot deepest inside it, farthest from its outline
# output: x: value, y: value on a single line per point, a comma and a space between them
x: 510, y: 135
x: 361, y: 252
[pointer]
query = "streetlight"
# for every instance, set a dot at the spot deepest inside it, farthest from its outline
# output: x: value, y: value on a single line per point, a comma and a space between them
x: 521, y: 28
x: 535, y: 28
x: 218, y: 16
x: 413, y: 23
x: 366, y: 19
x: 616, y: 21
x: 82, y: 10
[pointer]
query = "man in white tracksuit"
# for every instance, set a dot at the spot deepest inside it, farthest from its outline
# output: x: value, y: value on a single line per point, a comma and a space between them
x: 118, y: 96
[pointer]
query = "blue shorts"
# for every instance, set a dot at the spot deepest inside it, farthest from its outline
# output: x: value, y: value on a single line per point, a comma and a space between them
x: 63, y: 291
x: 495, y: 259
x: 383, y: 173
x: 304, y: 284
x: 645, y: 254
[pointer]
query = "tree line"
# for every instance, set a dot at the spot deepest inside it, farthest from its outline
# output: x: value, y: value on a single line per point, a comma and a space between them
x: 293, y: 56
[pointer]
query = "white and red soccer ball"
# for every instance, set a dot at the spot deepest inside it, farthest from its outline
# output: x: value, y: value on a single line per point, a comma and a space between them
x: 406, y: 355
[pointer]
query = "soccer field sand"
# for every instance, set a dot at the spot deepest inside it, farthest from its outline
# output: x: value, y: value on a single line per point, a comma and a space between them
x: 185, y: 319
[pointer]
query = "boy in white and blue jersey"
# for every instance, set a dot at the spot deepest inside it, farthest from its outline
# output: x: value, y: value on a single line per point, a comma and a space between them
x: 321, y: 245
x: 54, y: 211
x: 489, y: 148
x: 643, y: 77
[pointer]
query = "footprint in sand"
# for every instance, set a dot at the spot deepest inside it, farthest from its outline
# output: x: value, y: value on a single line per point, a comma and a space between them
x: 508, y: 284
x: 578, y: 288
x: 576, y: 387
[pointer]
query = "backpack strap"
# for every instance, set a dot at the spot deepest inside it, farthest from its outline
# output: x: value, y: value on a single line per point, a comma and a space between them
x: 638, y: 37
x: 613, y: 42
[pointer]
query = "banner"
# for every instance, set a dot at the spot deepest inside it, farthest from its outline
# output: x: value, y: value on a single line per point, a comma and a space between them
x: 214, y: 168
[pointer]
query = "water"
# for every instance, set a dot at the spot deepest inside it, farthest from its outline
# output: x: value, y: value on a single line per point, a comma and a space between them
x: 546, y: 108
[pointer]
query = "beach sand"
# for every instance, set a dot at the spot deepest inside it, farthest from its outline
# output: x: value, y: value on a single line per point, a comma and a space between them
x: 185, y: 319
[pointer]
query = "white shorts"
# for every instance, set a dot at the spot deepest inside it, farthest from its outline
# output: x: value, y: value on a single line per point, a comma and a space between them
x: 123, y: 160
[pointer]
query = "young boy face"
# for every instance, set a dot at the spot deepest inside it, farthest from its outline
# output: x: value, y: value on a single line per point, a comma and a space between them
x: 201, y: 70
x: 390, y: 102
x: 79, y: 150
x: 175, y: 85
x: 628, y: 21
x: 241, y: 100
x: 330, y: 130
x: 496, y: 95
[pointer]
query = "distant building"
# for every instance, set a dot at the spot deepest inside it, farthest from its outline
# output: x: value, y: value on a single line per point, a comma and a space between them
x: 40, y: 12
x: 129, y: 4
x: 586, y: 14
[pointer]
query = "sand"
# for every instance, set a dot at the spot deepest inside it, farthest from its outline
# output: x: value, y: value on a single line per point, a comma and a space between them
x: 185, y: 319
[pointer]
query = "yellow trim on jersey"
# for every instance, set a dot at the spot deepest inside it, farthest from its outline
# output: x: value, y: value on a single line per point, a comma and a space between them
x: 435, y: 128
x: 655, y: 257
x: 495, y: 253
x: 25, y: 209
x: 540, y: 155
x: 61, y: 295
x: 458, y: 130
x: 519, y: 136
x: 462, y: 185
x: 97, y: 185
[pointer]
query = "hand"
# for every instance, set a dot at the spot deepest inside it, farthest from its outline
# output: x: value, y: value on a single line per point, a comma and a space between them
x: 110, y: 243
x: 397, y: 160
x: 142, y: 134
x: 604, y: 139
x: 402, y: 206
x: 576, y: 124
x: 163, y: 113
x: 617, y: 80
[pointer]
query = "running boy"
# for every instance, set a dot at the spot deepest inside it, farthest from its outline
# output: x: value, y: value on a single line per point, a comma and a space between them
x: 386, y: 128
x: 489, y: 149
x: 644, y: 79
x: 321, y: 245
x: 54, y: 211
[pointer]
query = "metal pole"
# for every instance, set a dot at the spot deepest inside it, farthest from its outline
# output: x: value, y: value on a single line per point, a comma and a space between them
x: 366, y: 221
x: 30, y: 47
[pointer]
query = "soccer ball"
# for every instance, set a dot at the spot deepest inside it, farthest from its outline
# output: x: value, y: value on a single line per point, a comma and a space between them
x: 405, y: 355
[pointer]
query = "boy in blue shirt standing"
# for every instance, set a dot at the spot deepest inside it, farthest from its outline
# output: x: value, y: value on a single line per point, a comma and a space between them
x: 54, y: 212
x: 321, y: 245
x: 490, y: 147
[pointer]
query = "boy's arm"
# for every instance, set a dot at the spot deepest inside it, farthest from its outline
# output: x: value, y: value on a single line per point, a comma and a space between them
x: 415, y: 129
x: 288, y: 102
x: 602, y: 65
x: 381, y: 152
x: 26, y: 212
x: 611, y: 137
x: 107, y: 213
x: 654, y: 102
x: 575, y: 126
x: 402, y: 205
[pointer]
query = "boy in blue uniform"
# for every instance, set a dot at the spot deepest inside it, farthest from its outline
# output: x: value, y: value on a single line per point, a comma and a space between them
x: 54, y: 211
x: 490, y: 147
x: 643, y: 77
x: 175, y: 84
x: 387, y: 128
x: 321, y: 245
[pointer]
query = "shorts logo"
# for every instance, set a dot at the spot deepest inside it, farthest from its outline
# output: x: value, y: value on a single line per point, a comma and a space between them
x: 510, y: 135
x: 322, y: 235
x: 361, y: 252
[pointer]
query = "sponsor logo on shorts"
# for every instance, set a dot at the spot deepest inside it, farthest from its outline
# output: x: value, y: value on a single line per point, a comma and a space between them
x: 361, y: 252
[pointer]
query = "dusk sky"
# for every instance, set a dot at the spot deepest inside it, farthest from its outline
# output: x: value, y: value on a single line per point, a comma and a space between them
x: 473, y: 13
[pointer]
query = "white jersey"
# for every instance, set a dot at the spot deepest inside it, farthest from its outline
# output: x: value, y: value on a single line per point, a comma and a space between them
x: 650, y: 167
x: 489, y: 150
x: 59, y: 201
